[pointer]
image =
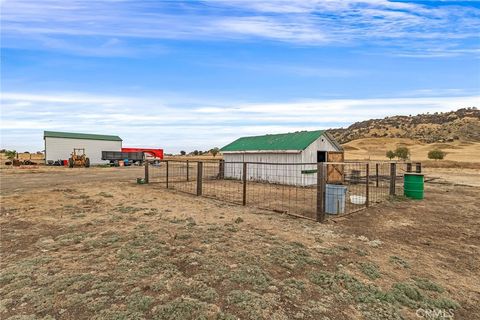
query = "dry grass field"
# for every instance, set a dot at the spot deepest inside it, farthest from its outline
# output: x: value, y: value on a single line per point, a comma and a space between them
x: 90, y: 243
x: 25, y: 156
x: 375, y: 149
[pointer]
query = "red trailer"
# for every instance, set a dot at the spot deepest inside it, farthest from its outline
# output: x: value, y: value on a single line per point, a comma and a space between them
x: 157, y: 153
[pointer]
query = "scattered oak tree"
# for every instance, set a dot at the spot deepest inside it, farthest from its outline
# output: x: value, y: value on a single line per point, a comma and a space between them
x: 183, y: 153
x: 214, y: 151
x: 10, y: 154
x: 390, y: 154
x: 436, y: 154
x: 402, y: 153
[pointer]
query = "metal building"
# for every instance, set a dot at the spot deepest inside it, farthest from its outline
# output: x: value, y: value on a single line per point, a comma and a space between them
x: 298, y: 152
x: 59, y: 145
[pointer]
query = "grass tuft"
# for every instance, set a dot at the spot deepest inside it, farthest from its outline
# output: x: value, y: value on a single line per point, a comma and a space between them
x: 370, y: 270
x: 398, y: 261
x: 426, y: 284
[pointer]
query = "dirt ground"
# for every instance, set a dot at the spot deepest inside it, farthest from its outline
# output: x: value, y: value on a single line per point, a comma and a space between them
x: 22, y: 179
x: 91, y: 243
x: 467, y: 177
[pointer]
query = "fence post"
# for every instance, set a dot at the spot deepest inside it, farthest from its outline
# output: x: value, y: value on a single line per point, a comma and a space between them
x: 167, y: 175
x: 221, y: 169
x: 146, y: 172
x: 188, y: 171
x: 376, y: 174
x: 367, y: 182
x: 393, y: 177
x: 320, y: 216
x: 199, y: 177
x: 418, y: 168
x: 409, y: 167
x: 244, y: 178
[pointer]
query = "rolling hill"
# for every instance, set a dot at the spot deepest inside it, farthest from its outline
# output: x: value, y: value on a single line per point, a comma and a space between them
x: 457, y: 133
x: 439, y: 127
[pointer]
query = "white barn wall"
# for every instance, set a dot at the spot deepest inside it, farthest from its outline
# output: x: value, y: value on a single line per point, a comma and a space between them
x: 61, y: 148
x: 309, y: 155
x: 283, y: 174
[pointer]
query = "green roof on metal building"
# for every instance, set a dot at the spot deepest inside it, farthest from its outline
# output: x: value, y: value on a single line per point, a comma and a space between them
x: 272, y: 142
x: 73, y: 135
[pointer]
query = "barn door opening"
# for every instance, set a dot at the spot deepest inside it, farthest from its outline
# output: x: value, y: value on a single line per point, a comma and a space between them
x: 335, y: 172
x: 321, y: 156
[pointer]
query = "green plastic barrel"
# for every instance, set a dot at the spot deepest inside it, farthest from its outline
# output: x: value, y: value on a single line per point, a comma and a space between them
x: 413, y: 185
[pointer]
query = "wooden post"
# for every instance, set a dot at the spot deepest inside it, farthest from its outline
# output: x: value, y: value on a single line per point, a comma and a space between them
x: 221, y: 169
x: 199, y: 177
x: 166, y: 179
x: 188, y: 171
x: 409, y: 167
x: 320, y: 216
x: 393, y: 177
x: 418, y: 168
x: 376, y: 174
x: 146, y: 172
x: 367, y: 182
x: 244, y: 178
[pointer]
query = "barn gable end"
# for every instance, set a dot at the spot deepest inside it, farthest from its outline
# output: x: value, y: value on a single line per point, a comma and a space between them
x: 323, y: 143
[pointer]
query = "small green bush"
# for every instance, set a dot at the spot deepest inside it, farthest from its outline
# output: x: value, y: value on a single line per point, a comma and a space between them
x: 436, y: 154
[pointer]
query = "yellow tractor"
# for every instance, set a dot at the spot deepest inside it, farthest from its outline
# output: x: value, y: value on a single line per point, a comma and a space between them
x: 79, y: 159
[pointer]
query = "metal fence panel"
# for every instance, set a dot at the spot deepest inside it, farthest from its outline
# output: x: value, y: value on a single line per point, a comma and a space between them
x: 292, y: 188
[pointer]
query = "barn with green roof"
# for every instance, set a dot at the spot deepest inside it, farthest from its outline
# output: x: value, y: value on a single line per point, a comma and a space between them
x: 298, y: 152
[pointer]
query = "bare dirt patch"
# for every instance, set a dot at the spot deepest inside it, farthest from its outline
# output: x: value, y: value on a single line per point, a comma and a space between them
x: 467, y: 177
x: 106, y: 248
x: 18, y: 180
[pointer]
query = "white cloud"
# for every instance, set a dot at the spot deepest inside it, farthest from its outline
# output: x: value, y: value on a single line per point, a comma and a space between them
x: 151, y: 121
x: 106, y: 27
x: 291, y: 31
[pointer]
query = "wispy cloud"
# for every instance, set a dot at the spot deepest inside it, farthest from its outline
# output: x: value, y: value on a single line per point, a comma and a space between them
x: 26, y: 115
x: 112, y: 24
x: 291, y: 69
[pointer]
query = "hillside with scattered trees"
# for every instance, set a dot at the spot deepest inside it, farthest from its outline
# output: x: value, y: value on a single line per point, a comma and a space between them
x: 462, y: 124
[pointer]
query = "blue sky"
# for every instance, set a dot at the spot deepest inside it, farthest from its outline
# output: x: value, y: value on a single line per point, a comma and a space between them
x: 187, y: 75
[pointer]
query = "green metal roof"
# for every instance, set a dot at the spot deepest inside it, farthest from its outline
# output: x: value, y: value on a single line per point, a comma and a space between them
x: 273, y: 142
x: 73, y: 135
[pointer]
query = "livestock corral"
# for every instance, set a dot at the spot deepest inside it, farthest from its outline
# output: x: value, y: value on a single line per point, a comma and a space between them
x: 293, y: 188
x: 94, y: 244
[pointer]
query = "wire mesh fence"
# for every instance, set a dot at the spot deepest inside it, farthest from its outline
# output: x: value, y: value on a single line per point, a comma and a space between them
x: 309, y: 190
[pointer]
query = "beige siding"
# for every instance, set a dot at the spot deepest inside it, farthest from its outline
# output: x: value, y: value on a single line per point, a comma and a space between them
x: 61, y: 148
